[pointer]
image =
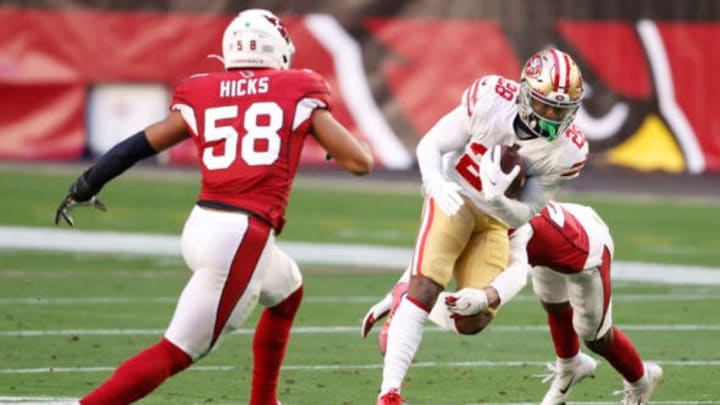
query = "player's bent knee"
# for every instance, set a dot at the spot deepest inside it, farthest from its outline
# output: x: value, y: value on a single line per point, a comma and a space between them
x: 288, y: 307
x: 473, y: 324
x: 280, y: 281
x: 601, y: 344
x: 556, y: 306
x: 424, y: 290
x: 178, y: 359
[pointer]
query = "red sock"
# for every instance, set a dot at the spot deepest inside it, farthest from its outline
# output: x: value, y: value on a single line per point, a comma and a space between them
x: 566, y: 341
x: 271, y: 338
x: 621, y: 354
x: 140, y: 375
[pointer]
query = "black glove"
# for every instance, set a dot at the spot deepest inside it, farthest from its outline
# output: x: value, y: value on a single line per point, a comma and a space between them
x: 81, y: 193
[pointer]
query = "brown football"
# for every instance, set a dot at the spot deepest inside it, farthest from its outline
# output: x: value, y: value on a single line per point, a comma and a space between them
x: 509, y: 158
x: 472, y: 324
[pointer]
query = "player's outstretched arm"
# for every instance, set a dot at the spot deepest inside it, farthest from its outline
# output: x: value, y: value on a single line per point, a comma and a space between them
x: 155, y: 138
x: 349, y: 152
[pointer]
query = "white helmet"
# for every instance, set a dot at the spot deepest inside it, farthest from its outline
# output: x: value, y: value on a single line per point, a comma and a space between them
x: 257, y: 38
x: 551, y: 90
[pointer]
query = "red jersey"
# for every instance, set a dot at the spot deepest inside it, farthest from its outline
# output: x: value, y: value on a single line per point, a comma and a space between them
x: 564, y: 237
x: 249, y: 127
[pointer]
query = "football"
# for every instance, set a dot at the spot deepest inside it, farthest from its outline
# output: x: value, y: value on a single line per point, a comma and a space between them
x: 509, y: 157
x: 472, y: 324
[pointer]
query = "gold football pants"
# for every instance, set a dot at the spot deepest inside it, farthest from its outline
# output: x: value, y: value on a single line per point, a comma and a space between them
x: 470, y: 245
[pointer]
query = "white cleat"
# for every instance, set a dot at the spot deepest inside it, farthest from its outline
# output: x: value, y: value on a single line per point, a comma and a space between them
x: 639, y: 393
x: 565, y: 377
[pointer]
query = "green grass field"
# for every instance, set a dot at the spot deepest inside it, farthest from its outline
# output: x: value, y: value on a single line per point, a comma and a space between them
x: 67, y: 320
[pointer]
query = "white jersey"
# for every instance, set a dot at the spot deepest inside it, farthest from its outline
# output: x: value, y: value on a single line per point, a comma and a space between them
x: 490, y: 108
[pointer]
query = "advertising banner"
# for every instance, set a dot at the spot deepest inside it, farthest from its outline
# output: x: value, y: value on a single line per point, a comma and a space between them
x: 395, y: 67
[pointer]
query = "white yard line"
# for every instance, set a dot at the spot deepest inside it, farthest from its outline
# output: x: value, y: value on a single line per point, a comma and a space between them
x: 600, y: 403
x: 340, y: 367
x: 704, y: 296
x: 304, y: 330
x: 20, y: 400
x: 326, y: 299
x: 17, y: 400
x: 64, y: 240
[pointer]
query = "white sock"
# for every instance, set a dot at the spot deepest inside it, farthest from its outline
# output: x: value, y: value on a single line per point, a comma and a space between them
x: 440, y: 314
x: 644, y: 379
x: 568, y: 363
x: 404, y: 338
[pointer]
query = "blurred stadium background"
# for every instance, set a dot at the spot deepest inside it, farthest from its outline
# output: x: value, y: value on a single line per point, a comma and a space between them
x: 78, y: 76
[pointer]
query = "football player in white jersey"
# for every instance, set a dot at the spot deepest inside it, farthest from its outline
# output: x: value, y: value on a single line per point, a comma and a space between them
x: 568, y: 250
x: 463, y: 232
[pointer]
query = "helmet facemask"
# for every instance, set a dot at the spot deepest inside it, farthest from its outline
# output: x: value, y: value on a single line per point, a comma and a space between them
x: 542, y: 117
x: 551, y: 91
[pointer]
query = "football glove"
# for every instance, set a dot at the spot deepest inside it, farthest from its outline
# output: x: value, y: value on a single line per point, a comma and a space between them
x: 80, y: 194
x: 445, y: 193
x: 494, y: 180
x: 376, y: 313
x: 467, y: 301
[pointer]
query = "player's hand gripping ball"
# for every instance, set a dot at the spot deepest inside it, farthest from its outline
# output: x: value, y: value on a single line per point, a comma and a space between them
x: 509, y: 158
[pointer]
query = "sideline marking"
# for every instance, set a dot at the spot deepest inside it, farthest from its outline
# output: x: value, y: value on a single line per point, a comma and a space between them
x: 327, y: 299
x: 379, y: 257
x: 305, y: 330
x: 336, y: 367
x: 19, y: 400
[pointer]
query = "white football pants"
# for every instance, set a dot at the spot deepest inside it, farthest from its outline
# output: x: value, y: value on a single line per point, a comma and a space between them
x: 588, y: 292
x: 236, y: 264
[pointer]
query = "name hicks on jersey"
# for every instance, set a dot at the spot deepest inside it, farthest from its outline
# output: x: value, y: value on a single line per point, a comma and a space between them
x: 243, y: 87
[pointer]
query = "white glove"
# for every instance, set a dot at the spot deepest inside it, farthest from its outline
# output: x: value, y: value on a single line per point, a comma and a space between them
x: 494, y: 180
x: 468, y: 301
x: 445, y: 193
x: 376, y: 313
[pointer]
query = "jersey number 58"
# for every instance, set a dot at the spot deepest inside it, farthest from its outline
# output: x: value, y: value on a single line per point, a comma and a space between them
x: 254, y: 132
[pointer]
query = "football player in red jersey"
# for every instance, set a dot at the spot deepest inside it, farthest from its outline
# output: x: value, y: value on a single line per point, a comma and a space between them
x: 568, y: 250
x: 249, y: 124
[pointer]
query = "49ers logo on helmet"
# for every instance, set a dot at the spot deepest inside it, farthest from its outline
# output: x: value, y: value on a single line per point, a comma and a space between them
x: 533, y: 68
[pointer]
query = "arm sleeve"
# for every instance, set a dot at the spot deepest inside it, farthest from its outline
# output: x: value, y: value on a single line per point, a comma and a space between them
x: 536, y: 194
x: 118, y: 159
x: 511, y: 281
x: 446, y: 135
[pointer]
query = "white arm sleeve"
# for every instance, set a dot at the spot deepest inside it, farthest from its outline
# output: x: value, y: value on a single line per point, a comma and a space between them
x: 448, y: 134
x: 536, y: 194
x: 514, y: 278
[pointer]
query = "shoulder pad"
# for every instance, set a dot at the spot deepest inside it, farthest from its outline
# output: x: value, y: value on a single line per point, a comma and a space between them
x: 576, y: 152
x: 488, y: 90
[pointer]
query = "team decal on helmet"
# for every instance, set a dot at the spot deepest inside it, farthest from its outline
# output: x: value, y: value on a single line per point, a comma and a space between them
x: 551, y: 90
x: 257, y: 38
